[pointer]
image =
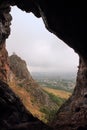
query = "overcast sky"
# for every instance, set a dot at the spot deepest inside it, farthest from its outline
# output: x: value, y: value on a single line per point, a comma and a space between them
x: 42, y: 50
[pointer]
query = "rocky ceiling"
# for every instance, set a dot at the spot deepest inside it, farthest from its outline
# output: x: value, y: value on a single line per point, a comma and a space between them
x: 69, y: 23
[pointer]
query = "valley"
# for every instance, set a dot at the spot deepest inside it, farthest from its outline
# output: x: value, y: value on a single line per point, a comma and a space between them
x: 42, y: 94
x: 65, y: 82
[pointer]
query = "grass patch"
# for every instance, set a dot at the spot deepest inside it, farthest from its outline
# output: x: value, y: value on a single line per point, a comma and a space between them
x: 49, y: 114
x: 59, y: 101
x: 20, y: 84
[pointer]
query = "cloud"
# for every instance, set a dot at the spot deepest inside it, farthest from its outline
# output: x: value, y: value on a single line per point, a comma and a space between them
x: 42, y: 50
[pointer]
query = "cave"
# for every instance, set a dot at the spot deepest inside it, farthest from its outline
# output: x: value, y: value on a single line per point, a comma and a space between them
x: 67, y: 22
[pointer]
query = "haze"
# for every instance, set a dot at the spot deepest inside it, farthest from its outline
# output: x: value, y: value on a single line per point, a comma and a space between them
x: 42, y: 50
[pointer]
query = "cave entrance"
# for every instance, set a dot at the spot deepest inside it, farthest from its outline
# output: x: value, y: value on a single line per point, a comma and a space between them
x: 50, y: 61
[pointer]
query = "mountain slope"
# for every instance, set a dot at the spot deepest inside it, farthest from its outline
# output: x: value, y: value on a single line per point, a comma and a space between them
x: 36, y: 100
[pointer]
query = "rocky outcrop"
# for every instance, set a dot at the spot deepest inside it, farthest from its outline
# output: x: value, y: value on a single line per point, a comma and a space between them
x: 5, y: 22
x: 19, y: 68
x: 69, y: 23
x: 3, y: 63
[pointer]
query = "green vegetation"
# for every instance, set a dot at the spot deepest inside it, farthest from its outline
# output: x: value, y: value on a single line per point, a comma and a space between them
x: 41, y: 102
x: 49, y: 114
x: 59, y: 101
x: 20, y: 84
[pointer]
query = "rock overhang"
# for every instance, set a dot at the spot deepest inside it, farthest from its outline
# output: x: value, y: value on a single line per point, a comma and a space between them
x: 66, y: 21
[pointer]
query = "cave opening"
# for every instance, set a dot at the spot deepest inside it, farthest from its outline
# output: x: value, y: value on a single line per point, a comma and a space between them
x: 50, y: 61
x: 69, y: 23
x: 39, y: 37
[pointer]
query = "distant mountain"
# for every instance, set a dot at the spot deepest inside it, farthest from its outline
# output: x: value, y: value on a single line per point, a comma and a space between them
x: 38, y: 101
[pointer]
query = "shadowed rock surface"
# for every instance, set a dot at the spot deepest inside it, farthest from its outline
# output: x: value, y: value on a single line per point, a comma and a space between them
x: 68, y: 21
x: 13, y: 114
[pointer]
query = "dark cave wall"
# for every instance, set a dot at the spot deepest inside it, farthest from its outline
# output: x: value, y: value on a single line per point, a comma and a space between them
x: 5, y: 22
x: 3, y: 63
x: 69, y: 23
x: 73, y: 114
x: 13, y: 114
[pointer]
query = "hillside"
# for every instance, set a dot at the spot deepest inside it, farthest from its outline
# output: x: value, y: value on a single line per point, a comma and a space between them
x: 59, y: 93
x: 38, y: 101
